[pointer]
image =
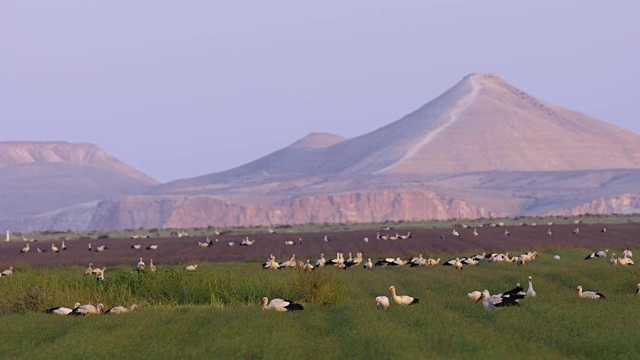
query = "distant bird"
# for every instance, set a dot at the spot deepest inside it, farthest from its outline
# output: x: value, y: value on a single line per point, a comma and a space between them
x: 101, y: 248
x: 589, y: 294
x: 597, y: 254
x: 63, y: 247
x: 625, y: 261
x: 230, y: 243
x: 25, y: 249
x: 89, y: 247
x: 54, y: 248
x: 289, y: 242
x: 402, y: 300
x: 455, y: 233
x: 191, y: 267
x: 613, y: 260
x: 89, y: 269
x: 556, y: 257
x: 382, y: 302
x: 60, y: 310
x: 320, y: 262
x: 141, y: 264
x: 87, y: 309
x: 279, y: 305
x: 308, y: 266
x: 627, y: 253
x: 101, y: 274
x: 474, y: 295
x: 530, y: 291
x: 604, y: 230
x: 493, y: 302
x: 366, y: 239
x: 7, y: 272
x: 136, y: 246
x: 40, y: 250
x: 152, y: 247
x: 368, y: 264
x: 326, y: 238
x: 475, y: 232
x: 271, y: 231
x: 638, y: 289
x: 151, y: 266
x: 576, y: 231
x: 549, y: 232
x: 507, y: 233
x: 121, y: 309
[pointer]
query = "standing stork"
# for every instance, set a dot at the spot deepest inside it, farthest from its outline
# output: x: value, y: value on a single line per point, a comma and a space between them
x: 402, y: 300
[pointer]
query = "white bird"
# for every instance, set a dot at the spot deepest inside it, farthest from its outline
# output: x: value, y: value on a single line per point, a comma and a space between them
x: 308, y: 266
x: 627, y: 253
x: 271, y: 231
x: 136, y: 246
x: 638, y: 289
x: 60, y: 310
x: 279, y: 305
x: 25, y: 249
x: 89, y: 269
x: 87, y: 309
x: 152, y: 247
x: 432, y: 262
x: 191, y: 267
x: 366, y: 239
x: 320, y: 262
x: 63, y: 247
x: 101, y: 273
x: 556, y: 257
x: 530, y: 291
x: 475, y: 232
x: 492, y: 302
x: 151, y: 266
x: 121, y: 309
x: 89, y: 247
x: 549, y: 232
x: 101, y: 248
x: 7, y: 236
x: 402, y: 300
x: 455, y: 233
x: 625, y: 261
x: 40, y: 251
x: 613, y: 260
x: 382, y: 302
x: 289, y: 242
x: 326, y: 238
x: 141, y: 265
x: 368, y: 264
x: 474, y: 295
x: 54, y: 248
x: 7, y: 272
x: 589, y: 294
x: 230, y: 243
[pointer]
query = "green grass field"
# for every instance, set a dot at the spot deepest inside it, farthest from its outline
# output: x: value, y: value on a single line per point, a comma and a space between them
x: 213, y: 313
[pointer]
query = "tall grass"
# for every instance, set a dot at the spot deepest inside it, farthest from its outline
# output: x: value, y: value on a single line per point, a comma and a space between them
x: 213, y: 313
x: 213, y: 284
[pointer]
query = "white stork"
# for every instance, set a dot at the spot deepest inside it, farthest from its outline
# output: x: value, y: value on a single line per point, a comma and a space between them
x: 530, y: 291
x: 589, y: 294
x: 87, y: 309
x: 382, y: 302
x: 279, y: 305
x: 61, y: 310
x: 492, y: 302
x: 402, y: 300
x: 7, y: 272
x: 121, y: 309
x: 191, y: 267
x: 368, y: 264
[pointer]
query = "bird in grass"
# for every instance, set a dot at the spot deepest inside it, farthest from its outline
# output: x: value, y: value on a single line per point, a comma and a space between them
x: 121, y: 309
x: 279, y: 305
x: 402, y: 300
x: 61, y: 310
x: 589, y: 294
x: 382, y: 302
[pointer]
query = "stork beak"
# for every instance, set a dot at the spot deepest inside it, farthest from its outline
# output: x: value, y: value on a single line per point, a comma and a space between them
x: 480, y: 298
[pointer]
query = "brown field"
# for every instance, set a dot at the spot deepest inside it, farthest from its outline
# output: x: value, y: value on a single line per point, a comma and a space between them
x: 173, y: 250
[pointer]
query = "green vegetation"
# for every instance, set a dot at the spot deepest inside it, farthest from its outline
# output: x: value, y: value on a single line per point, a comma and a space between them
x: 213, y: 312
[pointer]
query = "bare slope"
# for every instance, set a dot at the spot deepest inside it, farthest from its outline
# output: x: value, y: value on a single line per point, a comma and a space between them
x: 38, y: 177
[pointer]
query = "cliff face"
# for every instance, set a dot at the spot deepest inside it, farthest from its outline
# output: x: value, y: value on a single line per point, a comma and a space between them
x: 204, y: 210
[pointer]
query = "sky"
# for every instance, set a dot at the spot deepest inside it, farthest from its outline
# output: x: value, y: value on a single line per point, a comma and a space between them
x: 182, y: 89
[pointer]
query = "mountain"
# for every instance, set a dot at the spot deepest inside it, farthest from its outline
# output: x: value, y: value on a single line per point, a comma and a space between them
x: 41, y: 178
x: 481, y: 149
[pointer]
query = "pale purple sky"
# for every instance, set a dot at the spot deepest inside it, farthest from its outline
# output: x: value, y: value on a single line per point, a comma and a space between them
x: 181, y: 89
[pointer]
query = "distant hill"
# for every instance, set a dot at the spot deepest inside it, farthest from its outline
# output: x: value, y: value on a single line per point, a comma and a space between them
x: 40, y: 177
x: 482, y: 149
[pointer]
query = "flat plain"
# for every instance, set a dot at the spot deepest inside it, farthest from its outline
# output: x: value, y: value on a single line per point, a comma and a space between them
x: 213, y: 312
